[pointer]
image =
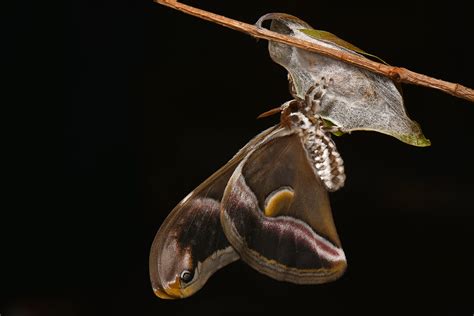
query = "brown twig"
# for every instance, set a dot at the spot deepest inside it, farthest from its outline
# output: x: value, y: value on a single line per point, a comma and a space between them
x: 395, y: 73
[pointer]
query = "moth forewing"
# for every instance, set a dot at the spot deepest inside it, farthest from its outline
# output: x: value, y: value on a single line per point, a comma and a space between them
x: 190, y: 244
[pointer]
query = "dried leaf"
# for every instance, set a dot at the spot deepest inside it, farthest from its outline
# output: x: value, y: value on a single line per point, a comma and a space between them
x: 355, y: 98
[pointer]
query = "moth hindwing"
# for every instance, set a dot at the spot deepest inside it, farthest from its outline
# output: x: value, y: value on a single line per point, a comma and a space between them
x: 275, y: 208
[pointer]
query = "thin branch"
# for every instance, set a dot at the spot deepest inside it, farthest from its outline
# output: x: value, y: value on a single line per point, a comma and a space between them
x: 398, y: 74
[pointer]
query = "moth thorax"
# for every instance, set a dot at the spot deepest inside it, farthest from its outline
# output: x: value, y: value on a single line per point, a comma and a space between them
x: 322, y: 151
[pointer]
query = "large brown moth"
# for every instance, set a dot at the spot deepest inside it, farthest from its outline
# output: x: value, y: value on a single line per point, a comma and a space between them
x: 269, y: 205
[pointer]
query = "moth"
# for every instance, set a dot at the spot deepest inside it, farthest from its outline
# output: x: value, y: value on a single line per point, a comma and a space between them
x: 268, y: 206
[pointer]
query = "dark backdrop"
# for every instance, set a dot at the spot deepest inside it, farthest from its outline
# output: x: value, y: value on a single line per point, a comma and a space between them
x: 153, y: 101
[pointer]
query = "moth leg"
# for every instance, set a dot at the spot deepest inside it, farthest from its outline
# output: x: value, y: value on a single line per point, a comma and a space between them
x: 314, y: 95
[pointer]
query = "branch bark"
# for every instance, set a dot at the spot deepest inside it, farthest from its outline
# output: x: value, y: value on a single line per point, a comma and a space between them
x: 398, y: 74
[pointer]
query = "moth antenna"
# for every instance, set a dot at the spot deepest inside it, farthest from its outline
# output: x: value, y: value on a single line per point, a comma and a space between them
x: 270, y: 112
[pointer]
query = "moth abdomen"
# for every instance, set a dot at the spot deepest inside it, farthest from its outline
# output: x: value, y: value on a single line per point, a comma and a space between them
x: 321, y: 150
x: 327, y: 160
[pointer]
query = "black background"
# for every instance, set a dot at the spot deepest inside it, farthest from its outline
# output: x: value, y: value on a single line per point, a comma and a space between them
x: 152, y: 101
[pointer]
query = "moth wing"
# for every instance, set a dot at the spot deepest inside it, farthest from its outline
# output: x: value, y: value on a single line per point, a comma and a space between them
x: 191, y: 237
x: 276, y: 213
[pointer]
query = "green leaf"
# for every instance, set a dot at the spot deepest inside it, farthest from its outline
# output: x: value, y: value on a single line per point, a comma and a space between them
x: 328, y: 123
x: 329, y: 37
